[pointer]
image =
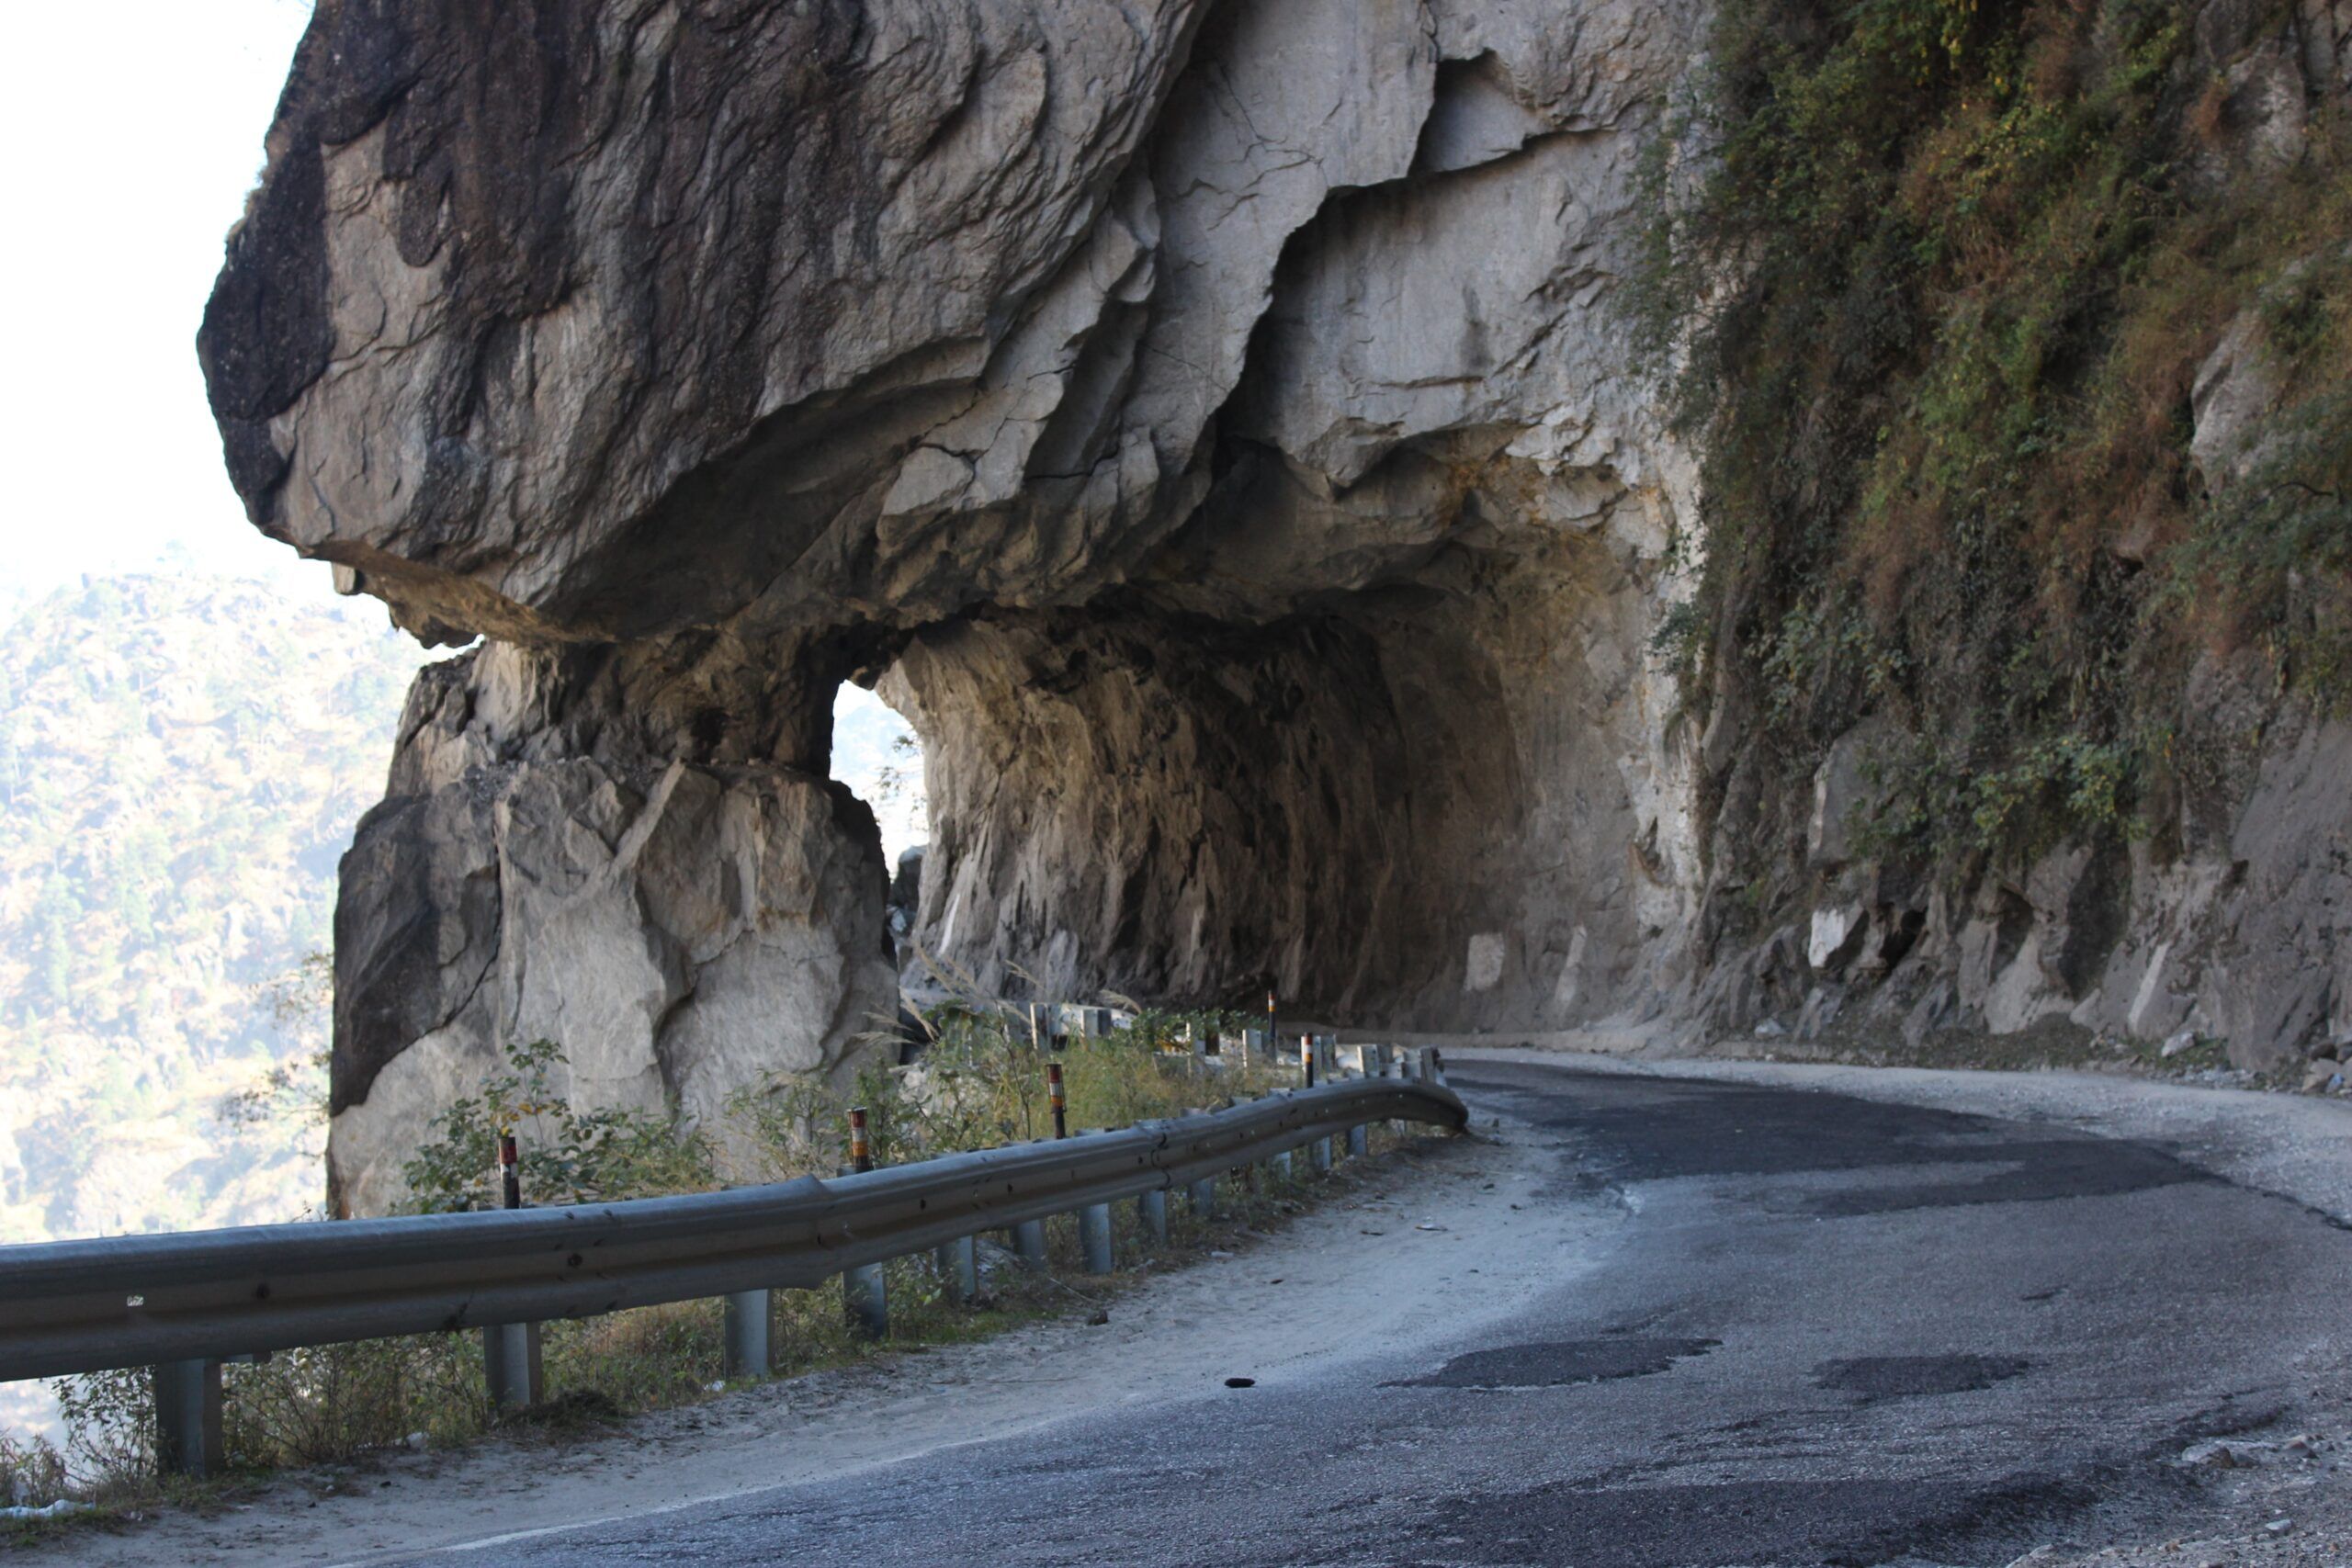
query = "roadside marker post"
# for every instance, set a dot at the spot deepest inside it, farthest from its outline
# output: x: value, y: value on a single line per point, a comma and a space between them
x: 1053, y: 1097
x: 510, y: 1352
x: 865, y: 1295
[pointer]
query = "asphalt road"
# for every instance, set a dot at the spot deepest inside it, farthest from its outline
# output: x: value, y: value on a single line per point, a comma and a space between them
x: 1827, y: 1331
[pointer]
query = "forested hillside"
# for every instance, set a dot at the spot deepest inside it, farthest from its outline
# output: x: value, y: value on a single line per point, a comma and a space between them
x: 182, y: 759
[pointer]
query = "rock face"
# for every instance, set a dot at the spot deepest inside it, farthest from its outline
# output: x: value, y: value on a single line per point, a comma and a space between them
x: 1212, y: 423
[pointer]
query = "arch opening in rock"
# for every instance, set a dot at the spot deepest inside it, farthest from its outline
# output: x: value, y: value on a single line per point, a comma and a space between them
x: 1208, y: 424
x: 1438, y: 798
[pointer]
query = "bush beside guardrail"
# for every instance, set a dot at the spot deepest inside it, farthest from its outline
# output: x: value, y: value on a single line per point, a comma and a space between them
x: 186, y: 1302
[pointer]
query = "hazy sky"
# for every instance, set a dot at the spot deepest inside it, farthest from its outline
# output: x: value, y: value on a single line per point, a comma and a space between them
x: 133, y: 132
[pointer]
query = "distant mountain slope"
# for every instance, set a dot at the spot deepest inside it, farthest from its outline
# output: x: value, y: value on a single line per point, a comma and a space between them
x: 181, y: 762
x: 876, y: 753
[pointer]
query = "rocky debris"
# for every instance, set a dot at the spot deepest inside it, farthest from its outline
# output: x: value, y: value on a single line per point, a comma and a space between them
x: 1215, y: 427
x: 906, y: 892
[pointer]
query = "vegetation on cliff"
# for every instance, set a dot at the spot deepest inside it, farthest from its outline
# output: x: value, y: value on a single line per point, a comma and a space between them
x: 1942, y: 294
x: 181, y: 761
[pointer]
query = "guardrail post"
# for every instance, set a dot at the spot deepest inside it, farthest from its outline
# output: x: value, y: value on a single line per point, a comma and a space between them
x: 1094, y: 1237
x: 1151, y: 1210
x: 867, y: 1299
x: 1318, y: 1156
x: 1029, y: 1242
x: 746, y: 1353
x: 1280, y: 1165
x: 1204, y: 1197
x: 959, y: 1269
x: 1360, y: 1062
x: 188, y: 1418
x: 510, y: 1363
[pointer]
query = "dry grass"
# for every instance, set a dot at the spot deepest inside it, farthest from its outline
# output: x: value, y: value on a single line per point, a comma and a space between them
x: 335, y: 1404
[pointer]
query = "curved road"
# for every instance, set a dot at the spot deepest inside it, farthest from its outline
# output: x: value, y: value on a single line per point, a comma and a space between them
x: 1819, y: 1329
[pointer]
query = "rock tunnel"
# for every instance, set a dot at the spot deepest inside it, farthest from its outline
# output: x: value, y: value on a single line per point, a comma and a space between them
x: 1212, y: 425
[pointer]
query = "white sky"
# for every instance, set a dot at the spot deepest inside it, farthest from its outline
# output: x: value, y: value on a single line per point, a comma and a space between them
x: 133, y: 132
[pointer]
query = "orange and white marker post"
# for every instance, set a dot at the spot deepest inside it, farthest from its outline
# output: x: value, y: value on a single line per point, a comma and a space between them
x: 864, y: 1296
x: 510, y: 1352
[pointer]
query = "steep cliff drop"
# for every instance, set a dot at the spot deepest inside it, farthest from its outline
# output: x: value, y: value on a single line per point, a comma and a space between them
x: 1214, y: 426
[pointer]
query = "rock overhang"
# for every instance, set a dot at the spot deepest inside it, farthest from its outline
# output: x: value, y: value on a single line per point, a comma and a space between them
x: 1210, y: 423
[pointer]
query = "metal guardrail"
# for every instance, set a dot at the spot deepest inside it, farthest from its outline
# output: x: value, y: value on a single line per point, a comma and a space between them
x: 209, y: 1296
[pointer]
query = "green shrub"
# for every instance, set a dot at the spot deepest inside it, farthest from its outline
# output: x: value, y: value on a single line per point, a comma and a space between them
x: 565, y: 1156
x: 981, y: 1083
x: 1939, y: 297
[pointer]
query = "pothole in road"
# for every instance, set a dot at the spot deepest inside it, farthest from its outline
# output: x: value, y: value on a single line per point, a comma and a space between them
x: 1911, y: 1377
x: 1559, y: 1363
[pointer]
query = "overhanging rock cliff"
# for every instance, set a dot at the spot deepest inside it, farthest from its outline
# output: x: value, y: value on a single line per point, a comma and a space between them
x: 1214, y: 424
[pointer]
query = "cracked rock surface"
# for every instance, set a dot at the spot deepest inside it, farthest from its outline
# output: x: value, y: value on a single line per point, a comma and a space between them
x: 1213, y: 425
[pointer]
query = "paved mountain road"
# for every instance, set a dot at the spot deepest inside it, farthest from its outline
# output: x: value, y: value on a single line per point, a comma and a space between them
x: 1804, y: 1327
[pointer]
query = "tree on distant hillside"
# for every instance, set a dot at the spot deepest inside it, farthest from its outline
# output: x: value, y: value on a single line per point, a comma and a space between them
x: 53, y: 917
x: 165, y: 852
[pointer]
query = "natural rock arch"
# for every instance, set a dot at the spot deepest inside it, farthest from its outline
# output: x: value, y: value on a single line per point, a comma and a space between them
x: 1209, y: 422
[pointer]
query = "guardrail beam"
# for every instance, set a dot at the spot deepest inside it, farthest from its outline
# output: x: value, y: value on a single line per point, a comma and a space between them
x: 145, y: 1301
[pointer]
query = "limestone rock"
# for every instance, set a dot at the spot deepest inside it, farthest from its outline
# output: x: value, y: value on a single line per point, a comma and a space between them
x: 1841, y: 794
x: 1214, y: 426
x: 2237, y: 388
